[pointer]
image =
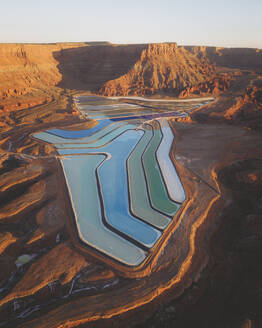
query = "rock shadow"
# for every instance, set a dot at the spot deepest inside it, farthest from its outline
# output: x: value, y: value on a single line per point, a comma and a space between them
x: 89, y: 67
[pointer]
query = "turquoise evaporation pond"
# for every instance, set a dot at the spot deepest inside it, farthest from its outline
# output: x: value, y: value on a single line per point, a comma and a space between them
x: 115, y: 115
x: 51, y: 138
x: 79, y: 173
x: 112, y: 178
x: 139, y: 201
x: 107, y: 108
x: 130, y: 114
x: 124, y: 111
x: 102, y: 141
x: 69, y: 134
x: 119, y: 197
x: 157, y: 189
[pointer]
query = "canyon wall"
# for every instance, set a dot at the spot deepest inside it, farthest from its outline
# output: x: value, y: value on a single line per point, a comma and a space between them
x: 242, y: 58
x: 27, y: 72
x: 161, y: 67
x: 32, y: 70
x: 26, y: 66
x: 89, y: 67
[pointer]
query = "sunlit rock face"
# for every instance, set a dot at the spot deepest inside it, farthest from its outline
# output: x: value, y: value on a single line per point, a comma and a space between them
x: 160, y: 67
x: 29, y: 73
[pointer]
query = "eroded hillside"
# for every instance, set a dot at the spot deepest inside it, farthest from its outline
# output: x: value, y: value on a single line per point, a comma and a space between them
x: 32, y: 74
x: 28, y: 74
x: 161, y: 67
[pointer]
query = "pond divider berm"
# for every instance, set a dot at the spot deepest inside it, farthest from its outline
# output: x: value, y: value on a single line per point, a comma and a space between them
x: 123, y: 186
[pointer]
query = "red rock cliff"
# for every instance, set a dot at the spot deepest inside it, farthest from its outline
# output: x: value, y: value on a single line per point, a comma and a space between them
x: 32, y: 70
x: 160, y: 67
x: 26, y: 66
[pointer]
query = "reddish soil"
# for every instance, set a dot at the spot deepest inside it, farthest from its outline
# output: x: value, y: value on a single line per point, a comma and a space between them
x: 210, y: 266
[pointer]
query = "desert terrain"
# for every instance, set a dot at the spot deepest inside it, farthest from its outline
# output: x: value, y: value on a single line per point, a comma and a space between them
x: 206, y: 270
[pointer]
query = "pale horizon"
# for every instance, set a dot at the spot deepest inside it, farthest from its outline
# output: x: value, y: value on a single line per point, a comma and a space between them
x: 228, y: 23
x: 132, y: 43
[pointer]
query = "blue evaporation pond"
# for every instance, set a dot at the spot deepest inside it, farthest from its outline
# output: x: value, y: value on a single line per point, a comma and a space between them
x: 114, y: 189
x: 110, y: 198
x: 68, y: 134
x: 147, y: 116
x: 120, y: 115
x: 88, y: 214
x: 101, y: 141
x: 112, y: 176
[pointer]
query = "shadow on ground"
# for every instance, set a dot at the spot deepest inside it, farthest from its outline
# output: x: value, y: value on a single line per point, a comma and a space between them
x: 89, y: 67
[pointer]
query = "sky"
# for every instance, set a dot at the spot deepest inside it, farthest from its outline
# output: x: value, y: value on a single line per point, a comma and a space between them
x: 228, y: 23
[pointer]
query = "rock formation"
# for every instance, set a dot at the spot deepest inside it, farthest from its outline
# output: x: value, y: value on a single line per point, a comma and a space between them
x: 160, y: 67
x: 243, y: 58
x: 214, y: 87
x: 32, y: 74
x: 249, y: 105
